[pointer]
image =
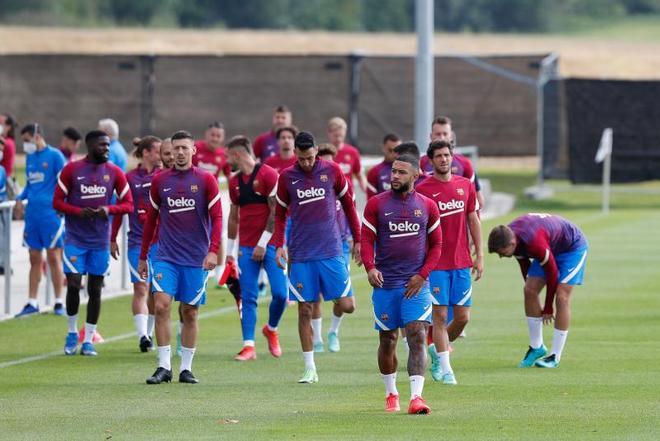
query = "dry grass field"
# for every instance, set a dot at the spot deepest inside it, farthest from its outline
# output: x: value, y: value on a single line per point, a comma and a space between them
x: 621, y: 54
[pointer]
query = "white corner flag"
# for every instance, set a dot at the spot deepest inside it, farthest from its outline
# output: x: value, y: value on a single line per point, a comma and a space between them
x: 604, y: 155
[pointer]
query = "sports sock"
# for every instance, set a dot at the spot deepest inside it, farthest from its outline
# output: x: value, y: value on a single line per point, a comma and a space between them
x: 248, y: 343
x: 151, y: 324
x: 405, y: 344
x: 179, y: 327
x: 416, y: 386
x: 187, y: 355
x: 535, y: 326
x: 271, y: 329
x: 309, y: 360
x: 140, y: 324
x: 73, y: 323
x: 334, y: 325
x: 390, y: 384
x: 444, y: 362
x: 59, y: 301
x: 164, y: 355
x: 33, y: 302
x: 558, y: 342
x: 90, y: 329
x: 317, y: 325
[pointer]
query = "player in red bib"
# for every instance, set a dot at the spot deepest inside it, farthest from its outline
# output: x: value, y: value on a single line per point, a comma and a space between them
x: 185, y: 201
x: 266, y: 144
x: 211, y: 155
x: 252, y: 215
x: 379, y: 176
x: 348, y: 156
x: 84, y: 193
x: 401, y: 242
x: 450, y: 280
x: 286, y: 156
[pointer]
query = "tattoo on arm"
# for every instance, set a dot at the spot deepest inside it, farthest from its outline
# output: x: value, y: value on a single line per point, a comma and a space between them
x: 270, y: 223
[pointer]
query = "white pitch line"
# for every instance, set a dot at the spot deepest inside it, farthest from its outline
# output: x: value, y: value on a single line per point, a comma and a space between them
x: 215, y: 312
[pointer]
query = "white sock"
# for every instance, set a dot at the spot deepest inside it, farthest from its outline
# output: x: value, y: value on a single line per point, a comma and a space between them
x: 151, y: 324
x: 89, y: 332
x: 271, y: 329
x: 59, y: 301
x: 317, y: 325
x: 187, y: 355
x: 390, y: 384
x: 535, y: 326
x: 309, y: 360
x: 405, y: 344
x: 33, y: 302
x: 248, y: 343
x: 73, y: 323
x: 164, y: 356
x: 444, y: 362
x: 416, y: 386
x: 336, y: 321
x: 558, y: 342
x: 140, y: 324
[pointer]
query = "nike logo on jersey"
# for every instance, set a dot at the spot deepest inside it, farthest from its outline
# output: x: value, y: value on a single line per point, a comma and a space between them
x: 295, y: 182
x: 387, y: 214
x: 167, y: 189
x: 435, y: 194
x: 80, y: 178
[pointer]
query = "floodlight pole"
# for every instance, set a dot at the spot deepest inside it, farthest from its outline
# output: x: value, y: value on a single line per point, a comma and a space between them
x: 424, y: 93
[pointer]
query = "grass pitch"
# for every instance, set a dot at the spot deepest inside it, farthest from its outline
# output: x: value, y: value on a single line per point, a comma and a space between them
x: 606, y: 388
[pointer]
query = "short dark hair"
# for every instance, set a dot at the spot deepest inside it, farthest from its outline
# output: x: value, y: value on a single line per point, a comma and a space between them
x: 216, y: 125
x: 240, y: 141
x: 442, y: 120
x: 94, y: 135
x: 327, y: 149
x: 291, y: 129
x: 409, y: 159
x: 437, y: 145
x: 391, y: 137
x: 499, y: 237
x: 304, y: 141
x: 146, y: 143
x: 33, y: 129
x: 11, y: 122
x: 408, y: 147
x: 182, y: 134
x: 282, y: 109
x: 72, y: 133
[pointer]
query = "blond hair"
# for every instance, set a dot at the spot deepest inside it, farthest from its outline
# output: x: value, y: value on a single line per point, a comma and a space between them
x: 336, y: 123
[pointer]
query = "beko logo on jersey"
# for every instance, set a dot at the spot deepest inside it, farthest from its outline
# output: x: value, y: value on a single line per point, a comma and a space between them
x: 451, y: 205
x: 92, y: 191
x: 403, y: 229
x: 310, y: 195
x: 180, y: 204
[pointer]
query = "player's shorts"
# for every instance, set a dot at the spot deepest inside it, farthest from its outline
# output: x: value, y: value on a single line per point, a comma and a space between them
x: 346, y: 251
x: 250, y: 271
x: 134, y: 258
x: 571, y: 267
x: 392, y: 310
x: 79, y: 260
x: 327, y: 276
x: 451, y: 287
x: 44, y: 232
x: 186, y: 284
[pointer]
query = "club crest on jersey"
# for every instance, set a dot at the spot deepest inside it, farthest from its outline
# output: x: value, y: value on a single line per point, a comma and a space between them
x: 418, y: 212
x: 460, y: 191
x: 194, y: 188
x: 454, y: 170
x: 106, y: 178
x: 323, y: 178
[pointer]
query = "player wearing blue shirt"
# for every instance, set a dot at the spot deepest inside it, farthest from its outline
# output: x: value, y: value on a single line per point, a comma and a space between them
x: 44, y: 227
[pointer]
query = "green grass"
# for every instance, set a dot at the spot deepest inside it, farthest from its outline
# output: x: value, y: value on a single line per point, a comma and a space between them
x: 606, y: 388
x: 641, y: 28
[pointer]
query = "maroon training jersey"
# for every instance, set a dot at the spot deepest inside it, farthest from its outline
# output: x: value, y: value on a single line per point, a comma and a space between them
x: 455, y: 199
x: 379, y: 179
x: 211, y: 160
x: 311, y: 202
x: 265, y: 146
x: 278, y: 163
x: 251, y: 194
x: 348, y: 158
x: 84, y: 184
x: 407, y: 236
x: 187, y: 205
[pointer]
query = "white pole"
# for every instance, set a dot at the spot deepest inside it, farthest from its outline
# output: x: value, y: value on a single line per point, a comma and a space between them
x: 424, y: 94
x: 607, y: 166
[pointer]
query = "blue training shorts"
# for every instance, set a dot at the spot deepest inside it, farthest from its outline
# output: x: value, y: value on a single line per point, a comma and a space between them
x: 392, y: 310
x: 44, y: 232
x: 329, y: 277
x: 451, y: 287
x: 571, y: 267
x: 186, y: 284
x: 79, y: 260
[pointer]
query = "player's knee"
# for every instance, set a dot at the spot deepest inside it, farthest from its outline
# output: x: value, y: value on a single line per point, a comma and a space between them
x: 530, y: 291
x: 74, y: 281
x: 161, y: 308
x: 562, y: 300
x: 305, y: 311
x: 35, y: 258
x: 347, y: 306
x: 388, y: 341
x: 54, y: 260
x: 189, y: 314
